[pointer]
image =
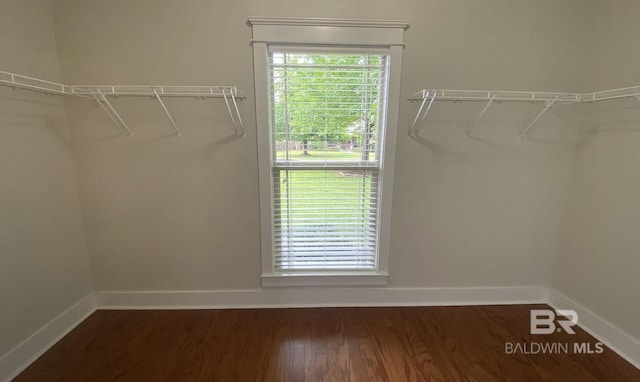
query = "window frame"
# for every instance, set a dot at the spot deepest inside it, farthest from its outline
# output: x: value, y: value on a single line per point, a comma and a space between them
x: 385, y: 37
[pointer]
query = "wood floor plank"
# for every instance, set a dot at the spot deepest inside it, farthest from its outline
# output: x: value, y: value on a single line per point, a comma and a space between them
x: 434, y: 344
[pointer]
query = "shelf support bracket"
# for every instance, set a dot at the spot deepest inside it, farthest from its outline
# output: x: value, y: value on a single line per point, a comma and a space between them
x: 240, y: 124
x: 157, y: 96
x: 525, y: 133
x: 112, y: 113
x: 415, y: 125
x: 473, y: 125
x: 104, y: 108
x: 238, y: 127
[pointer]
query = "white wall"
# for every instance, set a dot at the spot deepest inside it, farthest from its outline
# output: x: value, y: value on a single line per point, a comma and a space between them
x: 164, y: 213
x: 43, y: 256
x: 598, y: 260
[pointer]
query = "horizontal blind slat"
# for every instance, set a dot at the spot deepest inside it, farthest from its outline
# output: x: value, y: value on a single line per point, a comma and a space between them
x: 320, y: 229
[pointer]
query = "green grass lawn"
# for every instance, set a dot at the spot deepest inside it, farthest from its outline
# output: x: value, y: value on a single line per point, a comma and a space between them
x: 320, y: 196
x: 325, y: 212
x: 332, y: 199
x: 321, y: 155
x: 326, y: 218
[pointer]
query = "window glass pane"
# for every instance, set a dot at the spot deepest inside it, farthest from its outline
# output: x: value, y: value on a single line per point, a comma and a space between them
x: 325, y: 219
x: 326, y: 106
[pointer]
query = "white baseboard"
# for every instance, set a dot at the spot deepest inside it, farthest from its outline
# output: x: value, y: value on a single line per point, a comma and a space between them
x: 21, y: 356
x: 620, y: 342
x: 320, y: 297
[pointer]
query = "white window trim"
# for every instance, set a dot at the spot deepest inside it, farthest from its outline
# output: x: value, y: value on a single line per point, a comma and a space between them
x: 331, y: 33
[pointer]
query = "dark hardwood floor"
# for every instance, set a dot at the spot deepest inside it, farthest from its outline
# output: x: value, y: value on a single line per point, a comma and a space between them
x: 328, y: 344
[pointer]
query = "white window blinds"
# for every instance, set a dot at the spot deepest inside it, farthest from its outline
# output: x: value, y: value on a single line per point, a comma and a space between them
x: 326, y: 109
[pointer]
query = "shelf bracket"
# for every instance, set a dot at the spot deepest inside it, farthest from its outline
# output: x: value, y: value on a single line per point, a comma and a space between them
x: 473, y: 125
x: 240, y: 123
x: 157, y: 96
x: 415, y: 125
x: 115, y: 122
x: 238, y: 127
x: 525, y: 133
x: 112, y: 113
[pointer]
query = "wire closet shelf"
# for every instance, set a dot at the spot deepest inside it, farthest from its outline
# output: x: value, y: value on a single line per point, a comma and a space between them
x: 100, y: 93
x: 426, y: 97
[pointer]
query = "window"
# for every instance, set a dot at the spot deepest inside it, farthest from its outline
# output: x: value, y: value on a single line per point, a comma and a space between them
x: 327, y: 115
x: 325, y: 109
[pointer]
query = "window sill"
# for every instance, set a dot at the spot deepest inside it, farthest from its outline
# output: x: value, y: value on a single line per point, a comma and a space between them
x: 324, y: 279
